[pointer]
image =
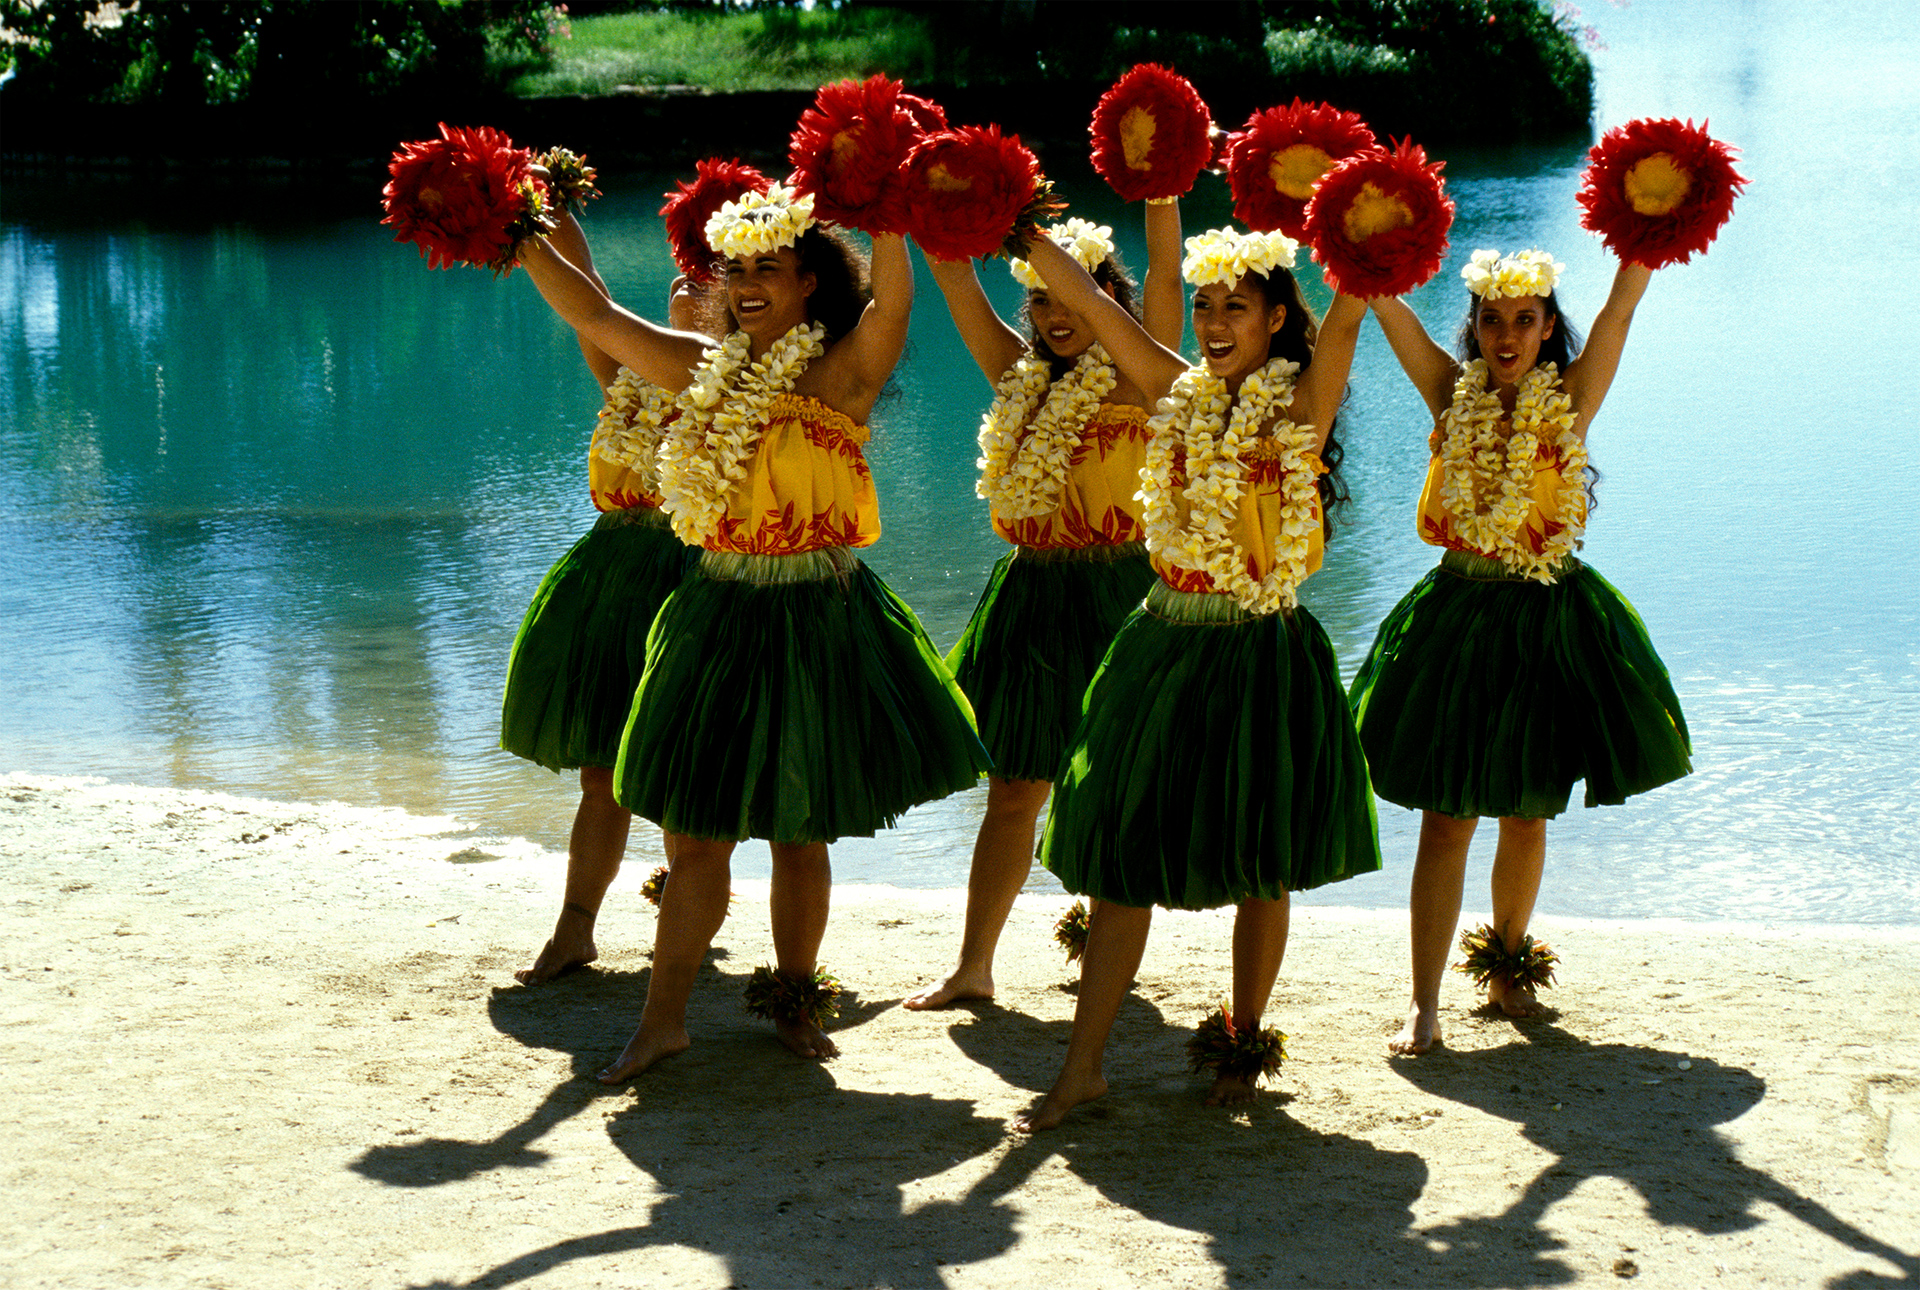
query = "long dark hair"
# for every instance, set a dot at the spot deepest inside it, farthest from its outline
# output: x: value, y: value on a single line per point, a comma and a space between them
x: 1560, y: 348
x: 1294, y: 342
x: 1111, y: 273
x: 842, y: 284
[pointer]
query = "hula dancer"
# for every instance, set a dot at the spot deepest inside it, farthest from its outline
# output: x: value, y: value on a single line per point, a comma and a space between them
x: 1062, y: 446
x: 1512, y: 670
x: 582, y: 644
x: 788, y: 694
x: 1216, y: 763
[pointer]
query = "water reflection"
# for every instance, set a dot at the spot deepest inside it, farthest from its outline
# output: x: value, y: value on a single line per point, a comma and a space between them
x: 272, y: 495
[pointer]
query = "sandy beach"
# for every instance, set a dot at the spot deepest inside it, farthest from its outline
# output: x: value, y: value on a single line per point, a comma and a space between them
x: 251, y: 1043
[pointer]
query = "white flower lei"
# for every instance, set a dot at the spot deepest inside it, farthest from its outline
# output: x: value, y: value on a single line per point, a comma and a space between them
x: 1227, y: 255
x: 1481, y: 469
x: 631, y: 419
x: 1024, y: 477
x: 1194, y: 415
x: 1524, y: 273
x: 1085, y: 241
x: 723, y: 413
x: 754, y: 223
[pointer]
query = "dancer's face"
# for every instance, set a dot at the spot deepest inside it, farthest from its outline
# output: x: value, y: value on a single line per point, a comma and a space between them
x: 1509, y: 331
x: 768, y: 292
x: 1059, y: 328
x: 1234, y: 325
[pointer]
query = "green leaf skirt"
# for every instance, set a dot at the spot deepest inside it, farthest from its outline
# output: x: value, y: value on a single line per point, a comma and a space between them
x: 1486, y: 694
x: 1034, y: 642
x: 1216, y: 761
x: 793, y: 698
x: 583, y: 642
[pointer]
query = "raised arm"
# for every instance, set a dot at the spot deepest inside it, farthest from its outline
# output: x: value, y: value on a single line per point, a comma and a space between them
x: 666, y: 358
x: 1163, y: 296
x: 1589, y: 376
x: 858, y: 365
x: 1432, y: 370
x: 570, y: 240
x: 994, y: 345
x: 1316, y: 399
x: 1141, y: 359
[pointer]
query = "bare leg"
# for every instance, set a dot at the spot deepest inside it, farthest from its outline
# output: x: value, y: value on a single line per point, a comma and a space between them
x: 1002, y: 859
x: 800, y: 895
x: 1259, y: 943
x: 1433, y: 908
x: 691, y: 911
x: 594, y: 850
x: 1116, y: 938
x: 1517, y: 866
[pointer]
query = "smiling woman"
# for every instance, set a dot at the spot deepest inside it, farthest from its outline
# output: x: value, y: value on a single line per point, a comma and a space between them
x: 788, y: 694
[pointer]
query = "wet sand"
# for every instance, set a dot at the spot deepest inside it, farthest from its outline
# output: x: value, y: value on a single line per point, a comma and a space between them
x: 249, y: 1042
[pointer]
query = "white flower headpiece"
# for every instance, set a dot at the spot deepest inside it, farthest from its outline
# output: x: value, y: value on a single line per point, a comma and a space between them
x: 755, y: 223
x: 1084, y: 240
x: 1227, y: 255
x: 1524, y: 273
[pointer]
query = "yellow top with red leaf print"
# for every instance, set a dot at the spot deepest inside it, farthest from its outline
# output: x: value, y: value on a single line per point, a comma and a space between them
x: 1543, y: 516
x: 1098, y: 506
x: 1255, y: 523
x: 618, y: 485
x: 807, y: 486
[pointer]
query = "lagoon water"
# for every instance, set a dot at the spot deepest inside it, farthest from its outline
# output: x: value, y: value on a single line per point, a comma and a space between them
x: 273, y: 496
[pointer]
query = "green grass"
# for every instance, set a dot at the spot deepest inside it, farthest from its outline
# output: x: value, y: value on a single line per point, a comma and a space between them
x: 766, y: 50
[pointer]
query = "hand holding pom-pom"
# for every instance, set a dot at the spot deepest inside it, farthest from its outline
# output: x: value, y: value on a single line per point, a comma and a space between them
x: 569, y: 176
x: 1379, y: 221
x: 972, y: 192
x: 1152, y: 135
x: 849, y: 146
x: 1658, y: 191
x: 690, y: 205
x: 468, y: 197
x: 1278, y: 158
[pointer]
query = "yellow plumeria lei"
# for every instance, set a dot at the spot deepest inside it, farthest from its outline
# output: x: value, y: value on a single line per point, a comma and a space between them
x: 1490, y: 276
x: 1227, y: 255
x: 628, y: 432
x: 1194, y: 415
x: 1486, y: 481
x: 1024, y: 477
x: 755, y: 223
x: 723, y: 413
x: 1085, y: 241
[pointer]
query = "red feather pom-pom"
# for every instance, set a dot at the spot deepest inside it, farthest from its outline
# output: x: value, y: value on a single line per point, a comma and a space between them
x: 848, y: 147
x: 969, y: 192
x: 690, y: 205
x: 1657, y: 191
x: 1276, y: 159
x: 468, y: 197
x: 926, y: 114
x: 1379, y: 221
x: 1152, y: 135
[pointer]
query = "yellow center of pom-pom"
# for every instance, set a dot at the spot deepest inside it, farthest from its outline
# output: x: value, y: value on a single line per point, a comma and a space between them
x: 845, y: 146
x: 1136, y: 138
x: 1373, y: 212
x: 1296, y: 171
x: 1656, y: 185
x: 942, y: 180
x: 430, y: 199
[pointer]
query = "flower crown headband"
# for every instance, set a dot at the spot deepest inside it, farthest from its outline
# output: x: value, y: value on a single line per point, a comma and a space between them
x: 755, y: 223
x: 1524, y: 273
x: 1085, y: 241
x: 1227, y: 255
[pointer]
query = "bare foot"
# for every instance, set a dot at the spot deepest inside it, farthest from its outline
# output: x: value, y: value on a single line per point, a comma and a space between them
x: 1421, y: 1032
x: 1514, y: 1000
x: 1065, y: 1094
x: 559, y: 956
x: 1230, y: 1090
x: 642, y: 1051
x: 961, y: 983
x: 805, y: 1039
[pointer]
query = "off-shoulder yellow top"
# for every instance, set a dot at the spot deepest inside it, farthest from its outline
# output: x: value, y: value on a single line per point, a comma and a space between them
x: 1098, y: 506
x: 1254, y: 524
x: 1543, y: 521
x: 807, y: 485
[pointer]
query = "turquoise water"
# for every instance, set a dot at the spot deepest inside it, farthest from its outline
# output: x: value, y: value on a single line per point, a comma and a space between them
x: 273, y: 496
